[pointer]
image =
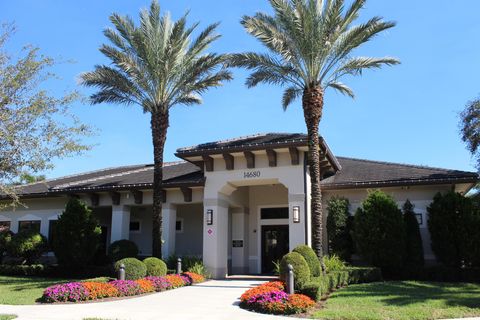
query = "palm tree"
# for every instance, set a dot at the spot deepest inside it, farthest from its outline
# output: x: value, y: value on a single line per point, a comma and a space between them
x: 309, y: 44
x: 156, y: 65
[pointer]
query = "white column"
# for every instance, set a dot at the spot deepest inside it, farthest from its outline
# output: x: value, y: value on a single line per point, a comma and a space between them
x: 215, y: 238
x: 120, y: 223
x: 239, y: 238
x: 296, y: 230
x: 169, y: 219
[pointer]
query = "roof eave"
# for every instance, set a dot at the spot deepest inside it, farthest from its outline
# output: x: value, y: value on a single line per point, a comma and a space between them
x: 397, y: 183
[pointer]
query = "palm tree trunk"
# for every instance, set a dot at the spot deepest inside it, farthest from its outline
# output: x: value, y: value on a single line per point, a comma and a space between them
x: 159, y: 125
x: 312, y: 102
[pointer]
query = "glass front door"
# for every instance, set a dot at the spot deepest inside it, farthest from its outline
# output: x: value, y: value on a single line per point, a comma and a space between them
x: 274, y: 246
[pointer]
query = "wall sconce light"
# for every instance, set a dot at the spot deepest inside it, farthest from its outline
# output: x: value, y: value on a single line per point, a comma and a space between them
x: 209, y: 217
x: 296, y: 214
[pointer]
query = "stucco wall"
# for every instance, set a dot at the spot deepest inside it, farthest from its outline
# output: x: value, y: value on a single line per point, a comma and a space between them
x: 190, y: 241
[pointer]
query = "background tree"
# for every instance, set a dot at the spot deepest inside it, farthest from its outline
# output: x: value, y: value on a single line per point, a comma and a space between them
x: 339, y: 228
x: 414, y: 258
x: 35, y: 126
x: 453, y: 223
x: 76, y: 236
x: 380, y: 233
x: 156, y: 65
x: 310, y: 45
x: 470, y: 128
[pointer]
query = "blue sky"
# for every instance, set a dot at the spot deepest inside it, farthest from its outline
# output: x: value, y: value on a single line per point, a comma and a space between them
x: 406, y: 113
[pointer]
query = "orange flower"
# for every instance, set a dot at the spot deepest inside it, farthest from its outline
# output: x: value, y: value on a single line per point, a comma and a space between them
x: 98, y: 290
x: 145, y: 285
x: 196, y: 278
x: 299, y: 303
x: 175, y: 280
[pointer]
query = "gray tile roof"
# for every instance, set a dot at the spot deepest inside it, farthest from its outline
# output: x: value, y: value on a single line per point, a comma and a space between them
x: 354, y: 173
x: 129, y: 177
x: 257, y: 140
x: 364, y: 173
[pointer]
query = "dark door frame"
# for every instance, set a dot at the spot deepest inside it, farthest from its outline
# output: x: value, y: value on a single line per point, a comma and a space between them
x: 262, y: 241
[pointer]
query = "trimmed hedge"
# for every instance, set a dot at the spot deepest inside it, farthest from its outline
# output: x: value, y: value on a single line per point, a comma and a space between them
x: 155, y: 267
x: 22, y: 270
x: 319, y: 287
x: 311, y: 258
x: 301, y: 270
x: 134, y: 268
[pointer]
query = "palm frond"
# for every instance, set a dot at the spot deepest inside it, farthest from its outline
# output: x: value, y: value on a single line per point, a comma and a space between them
x: 156, y: 64
x: 289, y: 95
x: 342, y: 88
x: 356, y: 65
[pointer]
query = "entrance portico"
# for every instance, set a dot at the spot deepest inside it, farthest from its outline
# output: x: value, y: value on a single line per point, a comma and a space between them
x: 250, y: 200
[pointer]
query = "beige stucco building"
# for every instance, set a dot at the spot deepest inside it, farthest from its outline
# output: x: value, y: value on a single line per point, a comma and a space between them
x: 240, y: 203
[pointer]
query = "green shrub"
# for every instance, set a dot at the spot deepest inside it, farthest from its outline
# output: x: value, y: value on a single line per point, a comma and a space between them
x: 122, y: 249
x: 187, y: 262
x: 27, y: 245
x: 413, y: 241
x: 333, y: 263
x: 380, y: 233
x: 22, y: 270
x: 301, y: 270
x: 5, y: 238
x: 200, y: 268
x: 311, y: 258
x: 155, y: 267
x: 134, y: 268
x: 453, y: 223
x: 339, y: 228
x: 363, y: 274
x: 319, y: 287
x: 77, y: 236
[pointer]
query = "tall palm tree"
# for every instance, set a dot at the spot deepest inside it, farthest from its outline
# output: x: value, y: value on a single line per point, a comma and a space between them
x: 310, y: 44
x: 156, y: 65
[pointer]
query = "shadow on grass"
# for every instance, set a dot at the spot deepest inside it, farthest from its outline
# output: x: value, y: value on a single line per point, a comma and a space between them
x: 403, y: 293
x: 27, y: 283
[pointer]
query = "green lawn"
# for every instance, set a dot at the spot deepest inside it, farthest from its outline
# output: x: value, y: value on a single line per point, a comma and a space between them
x: 402, y: 300
x: 7, y: 316
x: 23, y: 290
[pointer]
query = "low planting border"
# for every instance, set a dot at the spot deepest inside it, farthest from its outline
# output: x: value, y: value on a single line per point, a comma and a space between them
x: 95, y: 290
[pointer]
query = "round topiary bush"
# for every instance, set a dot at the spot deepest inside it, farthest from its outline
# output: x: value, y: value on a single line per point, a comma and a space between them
x: 155, y: 267
x: 27, y: 245
x: 309, y: 255
x: 301, y: 270
x: 121, y: 249
x: 134, y: 268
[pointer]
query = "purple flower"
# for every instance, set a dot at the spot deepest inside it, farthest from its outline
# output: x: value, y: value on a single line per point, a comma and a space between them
x: 127, y: 287
x: 272, y: 296
x: 72, y: 291
x: 159, y: 283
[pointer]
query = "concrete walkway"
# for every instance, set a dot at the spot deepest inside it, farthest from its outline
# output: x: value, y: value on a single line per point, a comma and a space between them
x: 212, y: 300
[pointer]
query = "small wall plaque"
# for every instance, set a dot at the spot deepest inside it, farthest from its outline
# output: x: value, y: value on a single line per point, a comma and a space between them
x: 237, y: 243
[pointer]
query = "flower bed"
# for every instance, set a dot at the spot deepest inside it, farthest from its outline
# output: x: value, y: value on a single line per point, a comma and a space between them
x: 85, y: 291
x: 271, y: 297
